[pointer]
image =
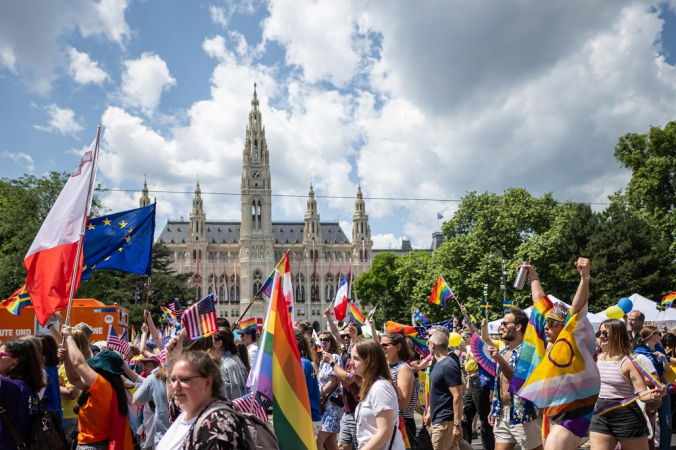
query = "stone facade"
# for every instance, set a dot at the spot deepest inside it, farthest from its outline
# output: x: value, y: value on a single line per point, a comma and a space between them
x: 242, y: 254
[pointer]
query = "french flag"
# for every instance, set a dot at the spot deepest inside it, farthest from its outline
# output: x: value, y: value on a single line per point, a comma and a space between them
x: 343, y: 296
x: 50, y: 261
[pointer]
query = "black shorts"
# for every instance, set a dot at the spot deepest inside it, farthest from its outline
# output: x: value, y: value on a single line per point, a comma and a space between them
x: 627, y: 422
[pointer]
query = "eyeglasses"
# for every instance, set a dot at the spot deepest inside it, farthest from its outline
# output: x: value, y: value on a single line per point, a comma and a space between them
x: 11, y: 355
x: 504, y: 324
x: 325, y: 339
x: 183, y: 380
x: 604, y: 333
x: 551, y: 323
x: 384, y: 346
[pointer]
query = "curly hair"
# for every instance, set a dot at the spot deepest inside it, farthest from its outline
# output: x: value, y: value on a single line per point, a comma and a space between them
x: 333, y: 347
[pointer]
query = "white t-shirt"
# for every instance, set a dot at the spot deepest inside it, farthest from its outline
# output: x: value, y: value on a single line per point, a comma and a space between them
x: 175, y: 435
x: 647, y: 363
x: 252, y: 349
x: 381, y: 397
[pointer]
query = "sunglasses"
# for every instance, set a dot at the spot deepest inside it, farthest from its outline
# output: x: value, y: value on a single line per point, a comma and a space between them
x: 551, y: 323
x: 345, y: 336
x: 504, y: 324
x: 11, y: 355
x: 604, y: 333
x: 325, y: 339
x: 183, y: 380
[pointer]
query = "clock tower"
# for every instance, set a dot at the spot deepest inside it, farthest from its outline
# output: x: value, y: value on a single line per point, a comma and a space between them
x: 256, y: 235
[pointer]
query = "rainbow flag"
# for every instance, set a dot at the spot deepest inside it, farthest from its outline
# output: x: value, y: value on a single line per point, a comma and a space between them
x: 534, y: 344
x: 17, y: 301
x: 133, y: 334
x: 566, y: 383
x: 668, y: 300
x: 277, y: 372
x: 355, y: 315
x: 417, y: 334
x: 440, y: 293
x: 168, y: 313
x: 247, y: 322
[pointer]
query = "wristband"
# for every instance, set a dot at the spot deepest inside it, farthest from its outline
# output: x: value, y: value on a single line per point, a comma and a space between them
x: 50, y: 325
x: 585, y: 278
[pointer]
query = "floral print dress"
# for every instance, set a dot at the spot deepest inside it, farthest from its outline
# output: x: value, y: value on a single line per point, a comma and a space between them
x: 220, y: 431
x: 333, y: 412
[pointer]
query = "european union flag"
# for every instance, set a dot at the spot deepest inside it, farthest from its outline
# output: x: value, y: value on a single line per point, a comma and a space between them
x: 439, y: 216
x: 121, y: 241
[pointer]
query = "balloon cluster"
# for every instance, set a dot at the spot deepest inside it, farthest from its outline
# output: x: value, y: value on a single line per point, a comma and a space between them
x: 623, y: 307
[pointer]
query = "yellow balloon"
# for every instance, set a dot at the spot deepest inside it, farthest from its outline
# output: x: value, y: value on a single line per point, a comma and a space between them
x: 614, y: 312
x: 454, y: 339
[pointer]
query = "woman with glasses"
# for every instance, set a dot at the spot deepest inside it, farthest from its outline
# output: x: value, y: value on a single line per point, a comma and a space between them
x: 397, y: 353
x: 649, y: 345
x: 20, y: 381
x: 196, y: 384
x: 377, y: 414
x: 330, y: 391
x: 620, y: 379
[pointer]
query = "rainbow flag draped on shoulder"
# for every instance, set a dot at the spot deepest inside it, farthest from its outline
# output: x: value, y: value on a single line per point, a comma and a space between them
x: 277, y: 371
x: 566, y: 383
x: 534, y: 344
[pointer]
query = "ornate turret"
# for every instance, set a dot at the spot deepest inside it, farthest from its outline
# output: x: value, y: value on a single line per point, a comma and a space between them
x: 312, y: 227
x: 361, y: 232
x: 198, y: 231
x: 145, y: 200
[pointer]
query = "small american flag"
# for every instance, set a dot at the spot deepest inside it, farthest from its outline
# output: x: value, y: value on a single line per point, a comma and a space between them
x: 175, y: 306
x: 117, y: 343
x: 200, y: 319
x: 249, y: 404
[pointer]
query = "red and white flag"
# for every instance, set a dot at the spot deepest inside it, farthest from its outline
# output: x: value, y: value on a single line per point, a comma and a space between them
x: 51, y: 258
x: 343, y: 297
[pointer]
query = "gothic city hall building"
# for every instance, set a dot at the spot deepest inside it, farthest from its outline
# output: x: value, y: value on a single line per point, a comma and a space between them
x: 241, y: 255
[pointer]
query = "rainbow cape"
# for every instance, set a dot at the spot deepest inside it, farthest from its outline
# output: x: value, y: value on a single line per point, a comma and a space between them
x: 277, y: 372
x: 440, y: 293
x: 17, y: 301
x: 566, y: 382
x: 534, y: 344
x: 355, y: 315
x: 668, y: 300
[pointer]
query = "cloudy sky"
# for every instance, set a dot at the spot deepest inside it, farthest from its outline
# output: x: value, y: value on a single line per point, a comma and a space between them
x: 423, y: 100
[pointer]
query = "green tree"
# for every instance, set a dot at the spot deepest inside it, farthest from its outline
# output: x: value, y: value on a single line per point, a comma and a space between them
x: 378, y: 287
x: 651, y: 158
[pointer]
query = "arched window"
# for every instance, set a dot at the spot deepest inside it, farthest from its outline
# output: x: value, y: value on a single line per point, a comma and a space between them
x: 259, y: 217
x: 199, y: 292
x: 194, y: 255
x: 234, y: 290
x: 299, y: 281
x: 330, y: 289
x: 257, y: 281
x: 221, y: 294
x: 314, y: 288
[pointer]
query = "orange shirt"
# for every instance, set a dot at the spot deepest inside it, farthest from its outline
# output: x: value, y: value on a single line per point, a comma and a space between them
x: 95, y: 416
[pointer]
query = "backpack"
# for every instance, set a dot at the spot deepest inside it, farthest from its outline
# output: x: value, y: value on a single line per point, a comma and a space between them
x: 257, y: 433
x: 46, y: 434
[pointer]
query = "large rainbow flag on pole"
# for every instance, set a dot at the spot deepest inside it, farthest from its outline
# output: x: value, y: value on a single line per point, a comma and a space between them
x: 441, y: 292
x: 566, y: 383
x: 534, y: 344
x: 278, y: 373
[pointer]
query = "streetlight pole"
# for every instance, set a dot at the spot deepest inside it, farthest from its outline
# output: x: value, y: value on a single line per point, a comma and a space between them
x: 503, y: 286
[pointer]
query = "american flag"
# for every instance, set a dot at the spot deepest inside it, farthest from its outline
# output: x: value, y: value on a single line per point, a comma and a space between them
x: 175, y: 307
x: 117, y: 343
x: 200, y: 319
x: 249, y: 404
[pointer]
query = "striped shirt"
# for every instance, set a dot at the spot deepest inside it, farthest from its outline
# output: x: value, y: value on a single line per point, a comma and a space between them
x: 613, y: 382
x: 410, y: 409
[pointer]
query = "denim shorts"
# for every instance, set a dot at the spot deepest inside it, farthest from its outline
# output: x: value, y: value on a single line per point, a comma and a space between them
x: 348, y: 429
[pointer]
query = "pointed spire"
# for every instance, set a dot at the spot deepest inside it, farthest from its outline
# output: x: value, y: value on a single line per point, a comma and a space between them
x: 359, y: 196
x: 198, y: 191
x: 312, y: 192
x: 145, y: 200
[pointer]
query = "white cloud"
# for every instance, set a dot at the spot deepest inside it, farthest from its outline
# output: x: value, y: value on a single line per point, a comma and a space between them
x: 143, y: 82
x: 21, y: 159
x: 386, y: 241
x: 319, y: 36
x: 32, y: 33
x: 84, y: 70
x: 218, y: 15
x: 61, y: 120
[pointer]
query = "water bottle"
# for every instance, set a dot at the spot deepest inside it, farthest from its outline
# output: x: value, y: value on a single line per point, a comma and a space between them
x: 520, y: 281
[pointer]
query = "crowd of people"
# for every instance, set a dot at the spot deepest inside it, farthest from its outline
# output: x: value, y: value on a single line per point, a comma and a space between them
x: 364, y: 392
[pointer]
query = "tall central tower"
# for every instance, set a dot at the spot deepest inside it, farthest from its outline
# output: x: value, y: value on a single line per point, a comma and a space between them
x: 256, y: 235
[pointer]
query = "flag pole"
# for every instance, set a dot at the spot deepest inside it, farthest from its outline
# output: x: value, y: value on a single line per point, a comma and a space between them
x: 90, y: 194
x: 147, y: 293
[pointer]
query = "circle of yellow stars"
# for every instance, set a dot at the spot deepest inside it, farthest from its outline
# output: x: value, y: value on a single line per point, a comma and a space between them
x: 108, y: 222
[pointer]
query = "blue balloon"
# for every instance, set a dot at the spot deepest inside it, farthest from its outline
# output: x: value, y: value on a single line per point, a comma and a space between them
x: 625, y: 305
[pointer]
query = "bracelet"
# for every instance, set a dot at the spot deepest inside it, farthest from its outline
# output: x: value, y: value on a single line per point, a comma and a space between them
x: 50, y: 325
x: 585, y: 278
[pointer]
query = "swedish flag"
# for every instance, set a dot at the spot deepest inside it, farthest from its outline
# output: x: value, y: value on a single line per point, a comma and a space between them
x: 506, y: 304
x: 485, y: 306
x: 121, y: 241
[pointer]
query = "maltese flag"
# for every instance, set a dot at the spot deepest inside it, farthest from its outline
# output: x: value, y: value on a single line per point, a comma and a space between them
x: 50, y: 261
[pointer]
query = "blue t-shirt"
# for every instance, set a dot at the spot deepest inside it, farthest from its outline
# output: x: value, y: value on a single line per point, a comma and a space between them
x: 52, y: 396
x: 445, y: 375
x: 17, y: 398
x: 312, y: 389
